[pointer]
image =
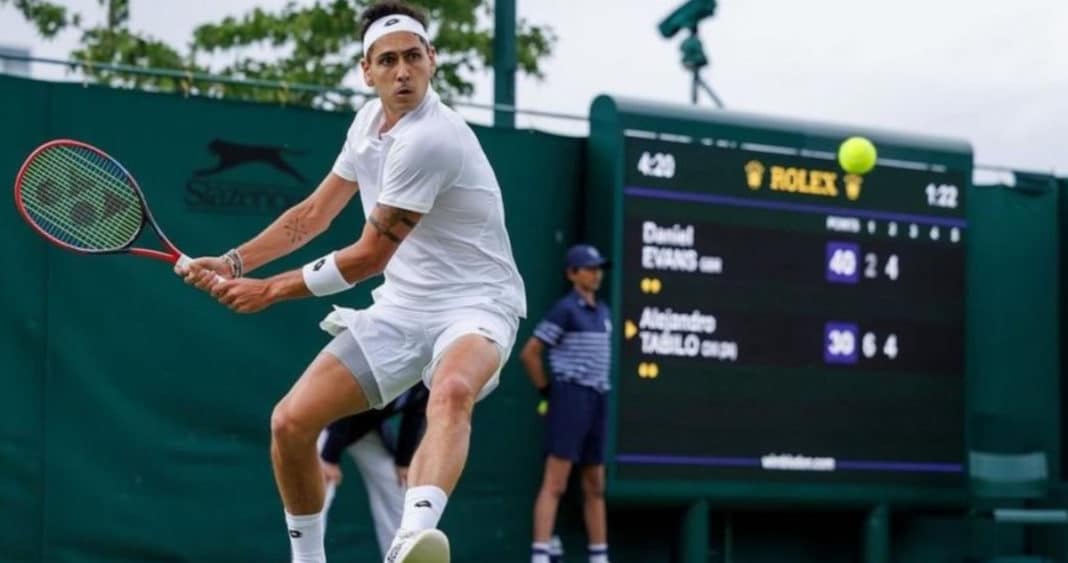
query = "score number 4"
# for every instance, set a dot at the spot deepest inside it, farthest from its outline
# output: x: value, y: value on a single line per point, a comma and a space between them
x: 657, y: 165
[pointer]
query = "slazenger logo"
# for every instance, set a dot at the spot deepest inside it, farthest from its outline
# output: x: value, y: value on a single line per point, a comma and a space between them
x: 216, y: 189
x: 235, y: 154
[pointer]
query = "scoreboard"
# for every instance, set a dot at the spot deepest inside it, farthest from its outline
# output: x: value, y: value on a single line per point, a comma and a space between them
x: 784, y: 329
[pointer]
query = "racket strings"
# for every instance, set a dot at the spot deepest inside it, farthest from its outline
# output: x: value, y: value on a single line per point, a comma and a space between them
x: 68, y: 222
x: 82, y: 212
x: 82, y: 198
x: 107, y: 188
x: 105, y: 179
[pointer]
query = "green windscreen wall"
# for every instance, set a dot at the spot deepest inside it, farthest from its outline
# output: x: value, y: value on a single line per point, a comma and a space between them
x: 134, y: 410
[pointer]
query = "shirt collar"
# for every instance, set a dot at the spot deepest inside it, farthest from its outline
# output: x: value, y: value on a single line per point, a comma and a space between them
x: 582, y: 300
x: 430, y: 99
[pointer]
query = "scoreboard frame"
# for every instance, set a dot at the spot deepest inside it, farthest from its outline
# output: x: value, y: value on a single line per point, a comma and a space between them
x: 610, y: 118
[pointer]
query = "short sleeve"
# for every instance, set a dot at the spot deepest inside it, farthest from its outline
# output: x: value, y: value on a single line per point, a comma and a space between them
x: 553, y: 325
x: 417, y: 170
x: 345, y: 164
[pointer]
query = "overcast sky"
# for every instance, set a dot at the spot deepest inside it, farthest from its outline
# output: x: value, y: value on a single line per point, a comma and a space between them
x: 988, y: 71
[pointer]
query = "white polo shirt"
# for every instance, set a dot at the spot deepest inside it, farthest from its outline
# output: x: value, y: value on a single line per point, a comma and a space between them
x: 431, y: 162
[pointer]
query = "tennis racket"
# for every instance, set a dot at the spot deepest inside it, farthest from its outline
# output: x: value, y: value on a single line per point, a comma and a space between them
x: 79, y: 198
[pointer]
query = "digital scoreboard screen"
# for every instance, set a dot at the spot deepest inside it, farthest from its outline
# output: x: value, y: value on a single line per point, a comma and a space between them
x: 782, y: 321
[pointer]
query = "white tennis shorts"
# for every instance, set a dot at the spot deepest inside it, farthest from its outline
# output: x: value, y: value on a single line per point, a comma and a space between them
x: 400, y: 346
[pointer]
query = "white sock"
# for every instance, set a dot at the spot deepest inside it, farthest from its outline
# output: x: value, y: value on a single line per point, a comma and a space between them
x: 306, y: 537
x: 423, y: 506
x: 539, y: 552
x: 598, y: 553
x: 328, y: 498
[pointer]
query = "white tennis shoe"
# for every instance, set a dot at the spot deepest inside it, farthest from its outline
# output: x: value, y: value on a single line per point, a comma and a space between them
x: 424, y: 546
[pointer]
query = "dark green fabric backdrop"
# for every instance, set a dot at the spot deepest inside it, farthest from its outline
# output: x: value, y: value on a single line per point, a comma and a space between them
x: 134, y: 411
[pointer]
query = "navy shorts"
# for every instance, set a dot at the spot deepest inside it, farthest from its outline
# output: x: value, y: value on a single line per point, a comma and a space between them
x: 575, y: 423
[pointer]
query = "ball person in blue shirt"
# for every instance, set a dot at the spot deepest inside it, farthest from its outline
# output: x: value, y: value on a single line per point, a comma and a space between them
x: 576, y: 333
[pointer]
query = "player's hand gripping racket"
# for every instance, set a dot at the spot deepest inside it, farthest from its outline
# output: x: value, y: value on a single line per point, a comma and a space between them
x: 79, y: 198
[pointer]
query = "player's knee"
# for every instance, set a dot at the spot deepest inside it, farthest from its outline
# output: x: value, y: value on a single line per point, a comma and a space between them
x: 451, y: 395
x: 286, y: 425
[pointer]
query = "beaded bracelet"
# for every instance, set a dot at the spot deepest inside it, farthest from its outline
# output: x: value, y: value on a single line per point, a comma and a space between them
x: 237, y: 265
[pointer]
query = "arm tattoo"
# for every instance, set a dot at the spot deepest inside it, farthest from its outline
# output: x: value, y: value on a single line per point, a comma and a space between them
x: 383, y: 229
x: 392, y: 222
x: 297, y: 228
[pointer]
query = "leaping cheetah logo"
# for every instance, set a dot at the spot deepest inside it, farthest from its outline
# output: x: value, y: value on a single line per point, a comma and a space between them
x: 235, y: 154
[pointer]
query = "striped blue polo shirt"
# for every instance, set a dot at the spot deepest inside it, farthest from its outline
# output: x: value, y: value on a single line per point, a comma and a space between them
x: 577, y: 335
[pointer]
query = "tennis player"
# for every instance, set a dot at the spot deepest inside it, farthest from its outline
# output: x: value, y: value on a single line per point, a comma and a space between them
x: 446, y: 313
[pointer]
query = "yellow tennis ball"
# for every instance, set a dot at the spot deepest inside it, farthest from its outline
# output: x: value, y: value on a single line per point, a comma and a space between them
x: 857, y: 155
x: 543, y: 407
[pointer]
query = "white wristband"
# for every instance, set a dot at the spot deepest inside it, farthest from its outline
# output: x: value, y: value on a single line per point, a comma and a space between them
x: 323, y: 277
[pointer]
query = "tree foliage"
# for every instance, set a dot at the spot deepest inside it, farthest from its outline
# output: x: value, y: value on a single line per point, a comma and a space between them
x: 315, y: 44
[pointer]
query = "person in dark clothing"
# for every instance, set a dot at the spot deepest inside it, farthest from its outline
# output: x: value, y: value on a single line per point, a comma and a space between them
x: 382, y: 454
x: 575, y: 334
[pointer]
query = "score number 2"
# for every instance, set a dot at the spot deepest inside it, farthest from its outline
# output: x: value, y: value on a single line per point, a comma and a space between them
x: 657, y: 165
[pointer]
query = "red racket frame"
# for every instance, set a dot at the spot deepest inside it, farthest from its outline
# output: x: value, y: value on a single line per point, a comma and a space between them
x: 169, y: 254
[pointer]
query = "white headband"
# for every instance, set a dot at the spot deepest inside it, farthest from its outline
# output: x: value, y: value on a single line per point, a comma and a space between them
x: 390, y: 24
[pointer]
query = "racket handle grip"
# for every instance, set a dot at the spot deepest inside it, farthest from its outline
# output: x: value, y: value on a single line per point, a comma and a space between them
x: 183, y: 262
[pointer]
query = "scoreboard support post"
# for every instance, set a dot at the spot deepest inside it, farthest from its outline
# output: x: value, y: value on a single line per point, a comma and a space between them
x: 877, y: 535
x: 695, y: 525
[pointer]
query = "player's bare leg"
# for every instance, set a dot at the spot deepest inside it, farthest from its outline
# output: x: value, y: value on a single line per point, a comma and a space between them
x: 462, y: 372
x: 325, y: 392
x: 464, y: 369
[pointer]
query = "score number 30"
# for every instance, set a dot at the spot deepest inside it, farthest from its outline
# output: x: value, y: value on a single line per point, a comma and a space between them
x: 841, y: 344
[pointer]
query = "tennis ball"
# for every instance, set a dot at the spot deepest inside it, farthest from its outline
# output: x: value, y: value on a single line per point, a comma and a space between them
x: 857, y: 155
x: 543, y: 407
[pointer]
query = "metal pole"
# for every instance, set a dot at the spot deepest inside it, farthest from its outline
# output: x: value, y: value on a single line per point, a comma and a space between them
x: 504, y: 62
x: 693, y: 86
x: 711, y: 94
x: 272, y: 84
x: 877, y: 535
x: 695, y: 533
